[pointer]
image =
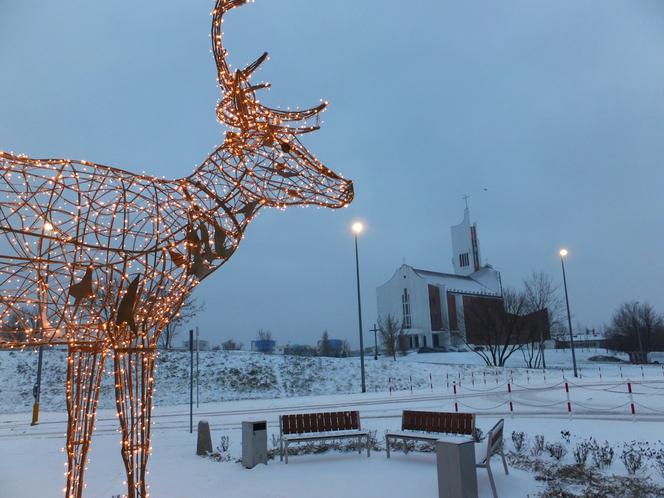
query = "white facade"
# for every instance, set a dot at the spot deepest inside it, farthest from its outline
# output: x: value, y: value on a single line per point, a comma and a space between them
x: 429, y: 304
x: 465, y: 246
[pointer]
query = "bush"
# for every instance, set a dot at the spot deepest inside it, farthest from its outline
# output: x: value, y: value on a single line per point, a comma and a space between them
x: 556, y: 450
x: 581, y: 452
x: 632, y: 459
x: 519, y: 440
x: 602, y: 455
x: 566, y: 436
x: 658, y: 461
x: 538, y: 446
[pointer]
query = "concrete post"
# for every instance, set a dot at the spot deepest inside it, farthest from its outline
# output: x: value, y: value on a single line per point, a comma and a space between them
x: 455, y: 461
x: 204, y: 445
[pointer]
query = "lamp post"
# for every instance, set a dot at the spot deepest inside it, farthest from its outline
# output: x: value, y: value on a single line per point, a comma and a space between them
x: 563, y: 255
x: 357, y: 230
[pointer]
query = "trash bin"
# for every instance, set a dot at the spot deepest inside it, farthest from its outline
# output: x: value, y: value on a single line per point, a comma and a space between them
x: 455, y: 462
x: 254, y: 443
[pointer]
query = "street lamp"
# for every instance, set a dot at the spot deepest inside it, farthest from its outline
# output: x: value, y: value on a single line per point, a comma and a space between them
x: 563, y: 255
x: 357, y: 230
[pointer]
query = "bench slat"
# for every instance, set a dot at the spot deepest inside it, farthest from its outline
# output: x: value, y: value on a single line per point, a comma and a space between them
x: 303, y: 423
x: 442, y: 422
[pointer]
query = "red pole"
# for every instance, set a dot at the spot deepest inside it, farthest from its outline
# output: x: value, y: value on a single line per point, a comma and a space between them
x: 509, y: 392
x: 569, y: 403
x: 631, y: 398
x: 456, y: 405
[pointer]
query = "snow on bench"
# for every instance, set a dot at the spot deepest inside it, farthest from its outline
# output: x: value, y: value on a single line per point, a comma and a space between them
x: 428, y: 426
x: 304, y: 427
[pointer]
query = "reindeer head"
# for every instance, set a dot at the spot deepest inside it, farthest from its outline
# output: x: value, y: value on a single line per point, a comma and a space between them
x: 276, y: 167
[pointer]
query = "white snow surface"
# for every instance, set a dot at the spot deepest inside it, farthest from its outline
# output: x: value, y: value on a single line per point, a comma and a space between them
x: 32, y: 459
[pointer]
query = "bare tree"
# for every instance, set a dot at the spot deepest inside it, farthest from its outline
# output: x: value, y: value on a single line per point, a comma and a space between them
x: 324, y: 344
x: 402, y: 342
x: 231, y: 345
x: 190, y: 308
x: 263, y: 335
x: 390, y: 328
x: 264, y: 341
x: 635, y: 328
x: 495, y: 327
x: 541, y: 294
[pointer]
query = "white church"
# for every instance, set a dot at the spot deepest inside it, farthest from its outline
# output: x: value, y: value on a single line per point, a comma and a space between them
x: 430, y: 304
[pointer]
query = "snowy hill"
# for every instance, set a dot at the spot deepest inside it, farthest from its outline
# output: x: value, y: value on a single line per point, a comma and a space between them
x: 242, y: 375
x: 223, y: 376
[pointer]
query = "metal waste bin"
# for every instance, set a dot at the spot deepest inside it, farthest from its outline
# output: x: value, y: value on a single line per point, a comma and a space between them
x: 254, y: 443
x: 455, y: 461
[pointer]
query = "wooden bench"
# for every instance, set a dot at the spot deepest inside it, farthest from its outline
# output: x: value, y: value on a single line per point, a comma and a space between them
x: 427, y: 426
x: 305, y: 427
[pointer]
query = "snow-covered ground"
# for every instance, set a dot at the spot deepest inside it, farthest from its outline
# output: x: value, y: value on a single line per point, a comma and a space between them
x: 177, y: 473
x: 242, y: 375
x: 600, y: 408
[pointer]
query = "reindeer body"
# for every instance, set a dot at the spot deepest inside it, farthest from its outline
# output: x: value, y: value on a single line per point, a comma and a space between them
x: 79, y: 218
x: 100, y: 259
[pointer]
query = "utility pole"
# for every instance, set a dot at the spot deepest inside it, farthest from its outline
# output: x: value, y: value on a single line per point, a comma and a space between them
x: 36, y: 390
x: 197, y: 369
x: 191, y: 381
x: 375, y: 331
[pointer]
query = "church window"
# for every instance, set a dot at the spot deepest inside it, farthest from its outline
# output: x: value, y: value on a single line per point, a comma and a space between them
x: 405, y: 307
x: 464, y: 260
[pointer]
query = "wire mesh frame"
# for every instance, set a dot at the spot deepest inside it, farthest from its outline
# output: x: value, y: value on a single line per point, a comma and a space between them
x: 101, y: 259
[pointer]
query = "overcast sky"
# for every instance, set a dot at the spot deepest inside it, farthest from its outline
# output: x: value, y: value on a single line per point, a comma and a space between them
x: 555, y: 108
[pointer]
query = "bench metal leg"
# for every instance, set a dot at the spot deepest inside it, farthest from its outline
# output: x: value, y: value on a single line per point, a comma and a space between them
x: 286, y: 452
x: 387, y: 445
x: 281, y: 450
x: 405, y: 445
x: 507, y: 472
x: 493, y: 483
x: 368, y: 447
x: 359, y: 444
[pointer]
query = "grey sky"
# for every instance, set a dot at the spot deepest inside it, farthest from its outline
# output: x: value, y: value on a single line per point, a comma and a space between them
x: 556, y: 108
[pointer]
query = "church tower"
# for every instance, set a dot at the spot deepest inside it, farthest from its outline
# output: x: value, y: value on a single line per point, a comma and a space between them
x: 465, y: 246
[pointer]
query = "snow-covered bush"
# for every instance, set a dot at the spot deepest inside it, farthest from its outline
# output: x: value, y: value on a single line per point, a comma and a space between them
x: 632, y: 459
x: 566, y: 436
x: 658, y: 461
x: 519, y: 440
x: 634, y: 456
x: 581, y: 452
x: 556, y: 450
x: 538, y: 445
x: 602, y: 455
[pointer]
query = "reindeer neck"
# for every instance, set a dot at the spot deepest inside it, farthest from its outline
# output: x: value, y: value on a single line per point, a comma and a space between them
x: 216, y: 188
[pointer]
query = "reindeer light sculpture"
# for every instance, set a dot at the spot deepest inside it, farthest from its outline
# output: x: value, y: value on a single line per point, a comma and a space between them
x: 100, y: 259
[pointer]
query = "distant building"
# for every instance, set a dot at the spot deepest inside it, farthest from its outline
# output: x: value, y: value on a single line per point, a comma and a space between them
x: 588, y: 340
x: 433, y: 306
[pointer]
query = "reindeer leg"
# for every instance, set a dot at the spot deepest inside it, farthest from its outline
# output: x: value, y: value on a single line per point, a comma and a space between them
x: 134, y: 368
x: 85, y: 368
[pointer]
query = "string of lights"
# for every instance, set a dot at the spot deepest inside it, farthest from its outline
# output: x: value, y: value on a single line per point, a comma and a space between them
x: 100, y: 259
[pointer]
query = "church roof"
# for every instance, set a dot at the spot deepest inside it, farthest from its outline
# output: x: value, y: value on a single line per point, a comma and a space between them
x: 458, y: 283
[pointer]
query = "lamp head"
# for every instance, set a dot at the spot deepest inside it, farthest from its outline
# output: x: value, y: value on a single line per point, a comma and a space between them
x: 563, y: 253
x: 357, y: 228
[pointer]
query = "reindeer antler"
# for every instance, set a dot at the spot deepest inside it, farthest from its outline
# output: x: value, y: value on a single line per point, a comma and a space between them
x: 239, y: 107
